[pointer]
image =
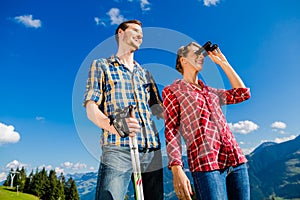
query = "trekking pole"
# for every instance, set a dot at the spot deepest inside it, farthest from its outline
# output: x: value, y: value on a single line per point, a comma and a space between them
x: 137, y: 175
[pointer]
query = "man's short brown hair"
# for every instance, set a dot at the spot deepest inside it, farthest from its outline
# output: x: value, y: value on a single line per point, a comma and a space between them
x: 124, y: 25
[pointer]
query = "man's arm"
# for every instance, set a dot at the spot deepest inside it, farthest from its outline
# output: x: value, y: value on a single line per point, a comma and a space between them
x: 102, y: 121
x: 95, y: 115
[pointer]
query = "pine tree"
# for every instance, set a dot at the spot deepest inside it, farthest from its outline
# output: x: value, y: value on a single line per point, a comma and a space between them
x: 60, y: 187
x: 28, y: 183
x: 61, y: 191
x: 20, y: 179
x: 71, y: 191
x: 35, y: 185
x: 73, y: 195
x: 44, y: 182
x: 54, y: 188
x: 39, y: 183
x: 8, y: 178
x: 51, y: 192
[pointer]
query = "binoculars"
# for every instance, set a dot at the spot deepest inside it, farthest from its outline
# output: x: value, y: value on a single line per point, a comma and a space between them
x: 208, y: 46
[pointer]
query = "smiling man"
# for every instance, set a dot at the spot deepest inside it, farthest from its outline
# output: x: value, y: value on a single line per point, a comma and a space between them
x: 114, y: 84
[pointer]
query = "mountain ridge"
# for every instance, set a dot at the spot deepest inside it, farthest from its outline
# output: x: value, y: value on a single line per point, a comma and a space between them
x: 274, y: 171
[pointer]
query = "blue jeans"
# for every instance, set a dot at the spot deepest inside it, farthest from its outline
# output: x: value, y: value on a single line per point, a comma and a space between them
x: 115, y: 173
x: 231, y: 183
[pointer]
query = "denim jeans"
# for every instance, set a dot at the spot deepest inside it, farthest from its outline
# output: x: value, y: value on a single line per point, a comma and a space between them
x: 231, y: 183
x: 115, y: 173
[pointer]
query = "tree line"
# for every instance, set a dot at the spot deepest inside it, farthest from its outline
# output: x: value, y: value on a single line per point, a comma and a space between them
x: 43, y: 185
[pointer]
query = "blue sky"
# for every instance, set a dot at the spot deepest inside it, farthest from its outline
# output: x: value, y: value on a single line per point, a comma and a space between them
x: 47, y: 46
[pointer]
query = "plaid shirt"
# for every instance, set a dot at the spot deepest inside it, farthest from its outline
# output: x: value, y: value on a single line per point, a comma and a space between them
x: 196, y: 114
x: 111, y: 85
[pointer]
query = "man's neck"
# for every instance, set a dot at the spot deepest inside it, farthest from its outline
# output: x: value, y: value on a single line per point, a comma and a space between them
x: 126, y: 58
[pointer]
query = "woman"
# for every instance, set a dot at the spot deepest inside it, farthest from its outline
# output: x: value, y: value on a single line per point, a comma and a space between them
x: 193, y: 111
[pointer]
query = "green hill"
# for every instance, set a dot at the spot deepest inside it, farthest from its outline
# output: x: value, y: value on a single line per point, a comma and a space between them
x: 8, y: 194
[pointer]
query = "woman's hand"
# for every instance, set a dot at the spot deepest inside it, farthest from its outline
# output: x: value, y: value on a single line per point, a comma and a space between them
x: 217, y: 57
x: 181, y: 183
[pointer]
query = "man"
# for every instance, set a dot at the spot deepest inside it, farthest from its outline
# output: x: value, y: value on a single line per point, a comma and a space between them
x: 114, y: 84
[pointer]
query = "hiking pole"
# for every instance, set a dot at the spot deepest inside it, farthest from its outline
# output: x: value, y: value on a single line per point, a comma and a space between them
x: 137, y: 175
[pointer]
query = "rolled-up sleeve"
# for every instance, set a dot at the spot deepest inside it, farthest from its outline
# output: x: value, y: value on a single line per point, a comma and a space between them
x: 232, y: 96
x: 94, y: 89
x: 172, y: 124
x: 155, y: 102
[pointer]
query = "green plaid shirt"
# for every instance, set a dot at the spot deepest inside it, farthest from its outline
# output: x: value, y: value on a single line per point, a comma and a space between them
x: 111, y: 85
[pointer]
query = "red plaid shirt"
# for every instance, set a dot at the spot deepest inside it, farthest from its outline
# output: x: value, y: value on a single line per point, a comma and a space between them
x: 196, y: 115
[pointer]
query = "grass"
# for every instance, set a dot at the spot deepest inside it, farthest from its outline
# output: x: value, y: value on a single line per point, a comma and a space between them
x: 8, y: 193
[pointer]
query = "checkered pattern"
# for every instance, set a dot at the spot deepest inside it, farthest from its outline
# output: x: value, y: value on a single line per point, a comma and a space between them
x: 111, y: 85
x: 196, y: 115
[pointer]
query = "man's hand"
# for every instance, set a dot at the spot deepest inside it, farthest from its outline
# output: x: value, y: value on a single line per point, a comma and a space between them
x: 133, y: 126
x: 124, y: 122
x: 181, y: 184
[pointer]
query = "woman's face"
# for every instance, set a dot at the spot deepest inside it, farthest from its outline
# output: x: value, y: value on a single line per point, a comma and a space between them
x: 193, y: 59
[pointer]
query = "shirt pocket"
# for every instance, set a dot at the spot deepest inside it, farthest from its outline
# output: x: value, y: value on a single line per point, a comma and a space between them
x: 145, y: 89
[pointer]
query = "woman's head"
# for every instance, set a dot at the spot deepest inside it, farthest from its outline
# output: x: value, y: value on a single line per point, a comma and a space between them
x: 189, y: 55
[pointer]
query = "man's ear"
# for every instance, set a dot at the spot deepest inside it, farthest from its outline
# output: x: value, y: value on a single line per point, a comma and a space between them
x: 120, y: 31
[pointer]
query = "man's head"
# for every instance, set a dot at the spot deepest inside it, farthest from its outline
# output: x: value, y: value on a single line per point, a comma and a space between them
x: 189, y: 55
x: 130, y: 32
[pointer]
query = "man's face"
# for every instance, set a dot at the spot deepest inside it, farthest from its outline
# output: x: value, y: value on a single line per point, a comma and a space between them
x: 132, y: 36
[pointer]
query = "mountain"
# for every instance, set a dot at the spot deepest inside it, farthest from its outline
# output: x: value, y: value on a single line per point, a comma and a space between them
x: 274, y: 170
x: 2, y: 182
x: 86, y: 183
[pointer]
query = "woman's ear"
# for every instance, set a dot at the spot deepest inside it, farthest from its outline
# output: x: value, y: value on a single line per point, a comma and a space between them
x: 183, y: 60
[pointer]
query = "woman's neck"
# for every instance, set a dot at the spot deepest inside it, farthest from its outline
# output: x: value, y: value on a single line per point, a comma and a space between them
x: 191, y: 77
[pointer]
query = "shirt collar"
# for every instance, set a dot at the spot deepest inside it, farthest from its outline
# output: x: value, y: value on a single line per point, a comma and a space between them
x: 115, y: 60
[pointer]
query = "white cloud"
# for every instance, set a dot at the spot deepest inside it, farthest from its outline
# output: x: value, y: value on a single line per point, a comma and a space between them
x: 15, y: 164
x: 145, y: 5
x: 8, y: 134
x: 284, y: 139
x: 210, y: 2
x: 79, y: 166
x: 39, y: 118
x: 247, y: 151
x: 28, y: 21
x: 47, y: 167
x: 92, y: 168
x: 278, y: 125
x: 243, y: 127
x: 115, y: 16
x: 99, y: 22
x: 59, y: 170
x: 74, y: 167
x: 67, y: 164
x: 3, y: 176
